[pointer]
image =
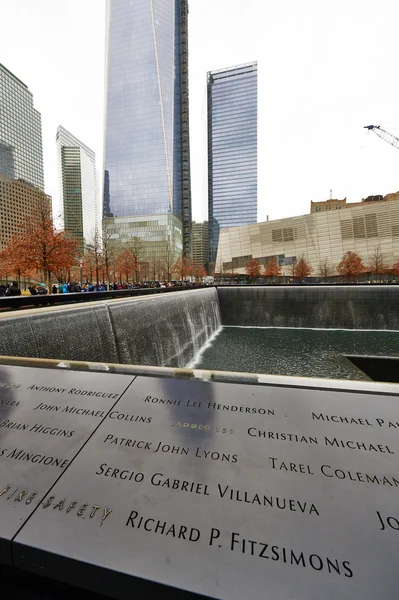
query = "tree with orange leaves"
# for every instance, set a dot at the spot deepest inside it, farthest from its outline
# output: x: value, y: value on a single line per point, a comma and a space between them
x: 182, y: 267
x: 126, y: 262
x: 43, y: 248
x: 395, y: 269
x: 14, y: 260
x: 4, y: 268
x: 303, y: 268
x: 89, y: 266
x: 252, y: 269
x: 272, y: 268
x: 351, y: 265
x: 198, y: 272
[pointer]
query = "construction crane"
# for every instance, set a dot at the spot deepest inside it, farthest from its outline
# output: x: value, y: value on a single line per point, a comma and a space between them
x: 384, y: 135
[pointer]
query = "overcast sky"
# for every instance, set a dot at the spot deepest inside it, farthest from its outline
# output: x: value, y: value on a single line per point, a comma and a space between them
x: 326, y: 69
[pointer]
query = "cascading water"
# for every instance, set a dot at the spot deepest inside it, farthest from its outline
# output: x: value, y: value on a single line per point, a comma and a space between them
x: 166, y: 330
x: 323, y: 307
x: 181, y: 329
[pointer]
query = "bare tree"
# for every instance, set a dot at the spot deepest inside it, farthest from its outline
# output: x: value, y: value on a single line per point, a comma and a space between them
x: 221, y: 271
x: 145, y: 269
x: 376, y: 263
x: 292, y: 270
x: 95, y: 247
x: 326, y: 269
x: 137, y: 248
x: 152, y: 270
x: 168, y: 260
x: 108, y: 248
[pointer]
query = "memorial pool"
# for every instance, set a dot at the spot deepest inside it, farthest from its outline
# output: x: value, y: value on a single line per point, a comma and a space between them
x: 287, y: 330
x: 294, y: 351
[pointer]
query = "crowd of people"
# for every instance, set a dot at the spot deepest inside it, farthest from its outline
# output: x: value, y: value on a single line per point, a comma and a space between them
x: 7, y: 289
x: 76, y: 287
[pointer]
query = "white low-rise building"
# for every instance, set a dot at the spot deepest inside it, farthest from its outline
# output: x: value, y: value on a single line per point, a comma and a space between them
x: 326, y: 235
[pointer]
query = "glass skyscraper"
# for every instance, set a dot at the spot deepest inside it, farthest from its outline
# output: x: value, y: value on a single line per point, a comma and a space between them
x: 21, y: 150
x: 232, y: 149
x: 147, y: 155
x: 22, y: 197
x: 78, y: 188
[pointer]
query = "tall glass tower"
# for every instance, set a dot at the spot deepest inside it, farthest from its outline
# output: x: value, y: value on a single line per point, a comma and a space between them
x: 21, y: 150
x: 22, y: 197
x: 78, y: 187
x: 147, y: 155
x: 232, y: 149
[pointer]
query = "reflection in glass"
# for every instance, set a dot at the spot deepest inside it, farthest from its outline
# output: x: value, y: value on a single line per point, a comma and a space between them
x: 232, y: 149
x: 147, y: 144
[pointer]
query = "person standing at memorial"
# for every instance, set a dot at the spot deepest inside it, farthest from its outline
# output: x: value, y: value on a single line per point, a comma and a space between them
x: 41, y: 290
x: 13, y: 290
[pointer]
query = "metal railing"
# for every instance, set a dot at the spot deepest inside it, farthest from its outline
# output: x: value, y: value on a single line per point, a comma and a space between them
x: 8, y: 303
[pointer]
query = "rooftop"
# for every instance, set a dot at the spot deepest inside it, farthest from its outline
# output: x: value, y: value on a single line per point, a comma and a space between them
x: 2, y: 67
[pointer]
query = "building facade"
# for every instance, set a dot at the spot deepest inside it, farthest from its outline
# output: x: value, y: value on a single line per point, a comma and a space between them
x: 232, y: 149
x: 159, y: 239
x: 147, y: 154
x: 324, y: 235
x: 200, y: 243
x: 21, y: 150
x: 79, y: 209
x: 20, y: 203
x: 332, y: 204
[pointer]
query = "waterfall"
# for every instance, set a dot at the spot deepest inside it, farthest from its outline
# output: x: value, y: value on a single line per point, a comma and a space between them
x: 171, y: 329
x: 162, y: 330
x: 324, y: 307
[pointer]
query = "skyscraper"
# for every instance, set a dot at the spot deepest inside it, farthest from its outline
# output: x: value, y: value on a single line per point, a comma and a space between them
x: 22, y: 196
x: 21, y: 151
x: 147, y: 155
x: 78, y: 188
x: 232, y: 149
x: 201, y: 243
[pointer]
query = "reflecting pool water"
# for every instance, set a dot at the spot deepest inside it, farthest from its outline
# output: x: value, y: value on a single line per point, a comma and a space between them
x: 296, y: 352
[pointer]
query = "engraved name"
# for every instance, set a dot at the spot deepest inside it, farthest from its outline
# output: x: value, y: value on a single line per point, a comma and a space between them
x: 73, y: 410
x: 33, y: 457
x: 165, y: 528
x: 334, y: 473
x: 332, y: 443
x: 37, y: 428
x: 286, y: 556
x: 388, y: 522
x: 281, y: 437
x: 354, y: 420
x: 73, y: 391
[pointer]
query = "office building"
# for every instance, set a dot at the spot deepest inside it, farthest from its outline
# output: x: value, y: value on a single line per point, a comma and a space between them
x: 79, y: 210
x: 159, y: 239
x: 333, y: 204
x: 232, y: 149
x: 200, y: 243
x: 147, y: 154
x: 22, y: 196
x: 323, y: 235
x: 20, y: 203
x: 21, y: 151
